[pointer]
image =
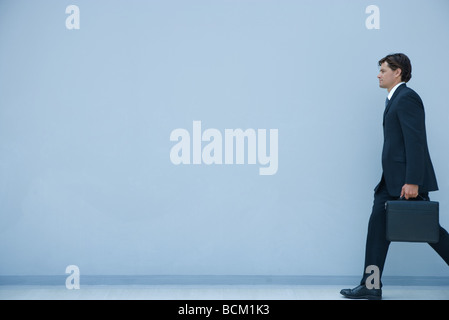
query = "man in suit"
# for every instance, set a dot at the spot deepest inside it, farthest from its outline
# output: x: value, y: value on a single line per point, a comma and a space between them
x: 407, y: 168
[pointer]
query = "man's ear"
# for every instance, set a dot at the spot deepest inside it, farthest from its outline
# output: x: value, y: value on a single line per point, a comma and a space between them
x: 398, y: 72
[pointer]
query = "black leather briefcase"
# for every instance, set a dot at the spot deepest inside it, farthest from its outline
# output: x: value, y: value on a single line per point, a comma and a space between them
x: 412, y: 221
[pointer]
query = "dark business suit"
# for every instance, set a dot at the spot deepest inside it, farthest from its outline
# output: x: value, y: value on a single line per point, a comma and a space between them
x: 405, y: 160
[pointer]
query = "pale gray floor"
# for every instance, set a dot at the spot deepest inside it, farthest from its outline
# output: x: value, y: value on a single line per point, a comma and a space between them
x: 211, y: 292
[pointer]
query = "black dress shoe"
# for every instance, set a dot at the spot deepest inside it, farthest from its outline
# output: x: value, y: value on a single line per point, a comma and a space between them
x: 362, y: 292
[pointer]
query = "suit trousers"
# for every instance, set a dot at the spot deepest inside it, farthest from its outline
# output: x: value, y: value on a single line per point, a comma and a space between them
x: 376, y: 241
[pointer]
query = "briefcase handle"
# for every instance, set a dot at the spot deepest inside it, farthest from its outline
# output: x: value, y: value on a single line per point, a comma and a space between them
x: 402, y: 198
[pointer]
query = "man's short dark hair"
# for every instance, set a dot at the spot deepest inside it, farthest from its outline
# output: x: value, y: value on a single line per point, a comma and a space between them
x: 401, y: 61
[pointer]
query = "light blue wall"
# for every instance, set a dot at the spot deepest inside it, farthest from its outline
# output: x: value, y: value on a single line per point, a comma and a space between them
x: 86, y: 117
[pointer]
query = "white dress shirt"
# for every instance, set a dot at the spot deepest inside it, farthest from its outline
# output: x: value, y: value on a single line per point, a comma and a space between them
x: 390, y: 94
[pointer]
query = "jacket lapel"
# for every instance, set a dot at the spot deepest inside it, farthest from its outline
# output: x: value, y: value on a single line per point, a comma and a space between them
x: 395, y: 94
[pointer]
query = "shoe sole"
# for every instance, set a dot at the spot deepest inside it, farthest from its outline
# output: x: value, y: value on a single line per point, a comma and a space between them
x: 364, y: 297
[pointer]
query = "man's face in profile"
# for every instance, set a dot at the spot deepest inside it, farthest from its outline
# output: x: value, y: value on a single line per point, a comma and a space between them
x: 387, y: 77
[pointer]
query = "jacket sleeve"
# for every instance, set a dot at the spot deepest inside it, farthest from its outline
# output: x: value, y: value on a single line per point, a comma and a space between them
x: 412, y: 120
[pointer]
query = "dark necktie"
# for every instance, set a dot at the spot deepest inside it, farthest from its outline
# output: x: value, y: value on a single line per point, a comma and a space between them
x: 385, y: 111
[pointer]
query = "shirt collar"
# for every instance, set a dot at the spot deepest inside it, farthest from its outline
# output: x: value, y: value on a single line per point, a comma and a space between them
x: 390, y: 94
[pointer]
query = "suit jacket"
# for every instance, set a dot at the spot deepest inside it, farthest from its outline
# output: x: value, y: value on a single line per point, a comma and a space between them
x: 405, y: 155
